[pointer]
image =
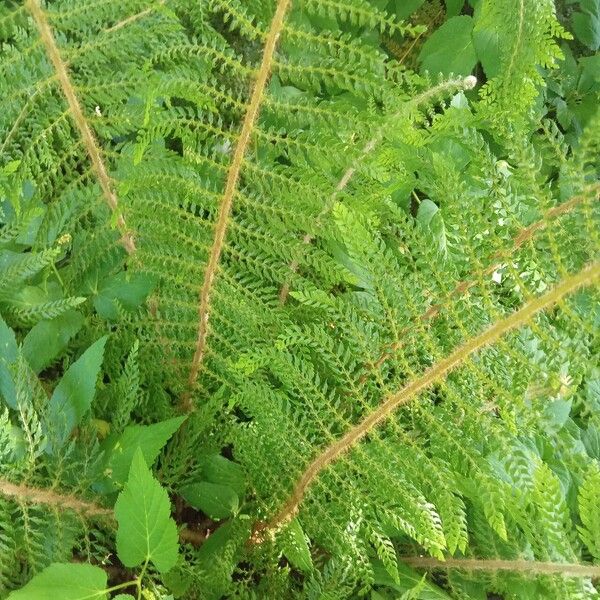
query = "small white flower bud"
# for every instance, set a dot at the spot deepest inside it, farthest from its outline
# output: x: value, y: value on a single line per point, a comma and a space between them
x: 470, y: 82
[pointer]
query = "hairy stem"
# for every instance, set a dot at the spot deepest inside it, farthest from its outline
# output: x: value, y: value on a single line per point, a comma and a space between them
x: 33, y: 495
x: 525, y: 567
x: 89, y: 141
x: 231, y: 184
x: 434, y: 374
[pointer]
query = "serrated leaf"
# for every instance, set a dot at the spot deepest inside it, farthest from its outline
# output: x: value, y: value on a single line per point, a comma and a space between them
x: 295, y: 547
x: 217, y: 501
x: 47, y: 339
x: 450, y: 49
x: 73, y: 395
x: 68, y: 581
x: 146, y: 532
x: 150, y: 439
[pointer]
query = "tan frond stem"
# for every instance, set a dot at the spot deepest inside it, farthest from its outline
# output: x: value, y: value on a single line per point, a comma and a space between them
x: 233, y: 176
x: 32, y: 495
x: 25, y: 494
x: 460, y: 83
x: 523, y: 567
x: 434, y: 374
x: 89, y: 141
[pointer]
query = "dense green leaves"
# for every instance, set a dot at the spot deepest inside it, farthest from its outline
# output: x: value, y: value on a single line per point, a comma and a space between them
x: 146, y: 531
x: 586, y: 23
x: 308, y: 273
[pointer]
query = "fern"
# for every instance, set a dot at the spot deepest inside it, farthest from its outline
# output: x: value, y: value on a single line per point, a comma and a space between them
x: 345, y: 308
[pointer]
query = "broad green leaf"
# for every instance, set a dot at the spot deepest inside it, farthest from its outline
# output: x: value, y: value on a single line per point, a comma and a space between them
x: 146, y: 531
x: 218, y: 469
x: 591, y: 441
x: 217, y: 501
x: 586, y: 23
x: 556, y: 414
x: 430, y: 218
x: 404, y: 8
x: 148, y: 438
x: 124, y: 289
x: 486, y: 40
x: 65, y: 581
x: 453, y: 7
x: 295, y: 547
x: 589, y: 80
x: 216, y: 543
x: 427, y: 210
x: 47, y: 339
x: 123, y: 597
x: 177, y: 581
x: 450, y: 49
x: 8, y: 343
x: 73, y: 395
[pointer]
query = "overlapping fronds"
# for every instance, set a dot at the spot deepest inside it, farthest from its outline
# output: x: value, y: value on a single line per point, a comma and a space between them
x: 374, y: 293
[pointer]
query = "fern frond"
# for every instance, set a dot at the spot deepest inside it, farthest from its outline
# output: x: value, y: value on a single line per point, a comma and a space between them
x: 232, y: 182
x: 87, y: 136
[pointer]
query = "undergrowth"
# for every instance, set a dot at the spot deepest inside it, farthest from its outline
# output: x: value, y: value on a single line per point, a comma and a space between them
x: 298, y: 299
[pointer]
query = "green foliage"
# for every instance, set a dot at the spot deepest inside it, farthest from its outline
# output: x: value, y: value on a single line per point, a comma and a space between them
x: 145, y: 534
x: 146, y: 531
x: 450, y: 49
x: 311, y: 285
x: 73, y: 395
x: 586, y: 23
x: 119, y: 450
x: 65, y: 581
